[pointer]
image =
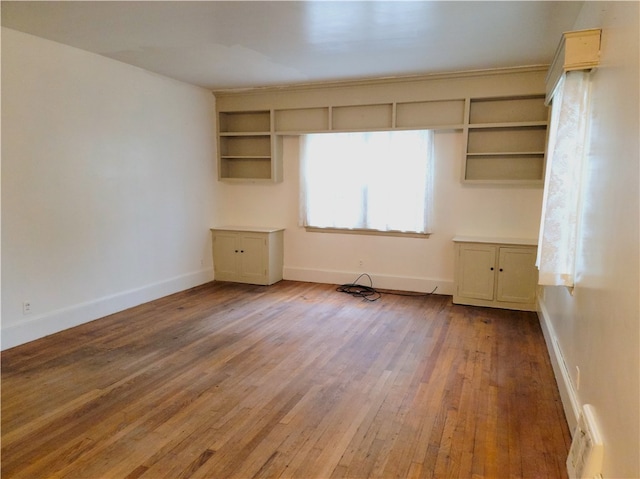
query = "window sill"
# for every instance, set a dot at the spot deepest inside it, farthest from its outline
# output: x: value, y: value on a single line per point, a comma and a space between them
x: 404, y: 234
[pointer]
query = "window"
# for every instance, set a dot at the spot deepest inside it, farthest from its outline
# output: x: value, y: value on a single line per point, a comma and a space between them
x: 566, y: 151
x: 374, y: 181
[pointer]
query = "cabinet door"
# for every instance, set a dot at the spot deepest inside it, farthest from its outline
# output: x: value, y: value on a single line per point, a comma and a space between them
x: 517, y: 275
x: 253, y: 258
x: 476, y: 271
x: 225, y: 258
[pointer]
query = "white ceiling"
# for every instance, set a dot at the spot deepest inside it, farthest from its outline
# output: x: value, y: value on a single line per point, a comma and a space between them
x: 240, y: 44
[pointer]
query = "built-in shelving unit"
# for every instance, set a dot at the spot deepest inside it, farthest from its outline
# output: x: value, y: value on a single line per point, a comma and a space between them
x: 439, y: 114
x: 501, y: 115
x: 248, y: 140
x: 246, y: 150
x: 505, y: 137
x: 505, y: 140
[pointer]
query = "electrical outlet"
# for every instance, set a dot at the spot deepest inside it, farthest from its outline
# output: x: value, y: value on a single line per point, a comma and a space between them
x: 26, y: 307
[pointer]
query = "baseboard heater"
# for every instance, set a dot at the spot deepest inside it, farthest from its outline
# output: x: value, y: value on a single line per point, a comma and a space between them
x: 587, y: 451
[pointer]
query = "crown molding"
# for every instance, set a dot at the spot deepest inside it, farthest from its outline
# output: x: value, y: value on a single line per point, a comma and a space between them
x: 380, y: 80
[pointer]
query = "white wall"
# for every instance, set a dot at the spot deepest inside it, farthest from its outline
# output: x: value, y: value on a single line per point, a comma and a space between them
x: 398, y: 263
x: 109, y: 189
x: 108, y: 177
x: 597, y: 329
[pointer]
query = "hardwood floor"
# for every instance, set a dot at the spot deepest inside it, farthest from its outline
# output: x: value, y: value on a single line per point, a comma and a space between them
x: 293, y: 380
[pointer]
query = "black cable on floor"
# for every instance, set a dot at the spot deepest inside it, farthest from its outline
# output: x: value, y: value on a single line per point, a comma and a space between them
x: 369, y: 293
x: 360, y: 291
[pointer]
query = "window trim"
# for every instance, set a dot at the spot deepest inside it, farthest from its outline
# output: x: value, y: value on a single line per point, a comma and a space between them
x: 370, y: 232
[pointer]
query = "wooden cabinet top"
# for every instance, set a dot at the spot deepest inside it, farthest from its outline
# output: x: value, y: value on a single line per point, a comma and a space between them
x: 496, y: 240
x: 248, y: 229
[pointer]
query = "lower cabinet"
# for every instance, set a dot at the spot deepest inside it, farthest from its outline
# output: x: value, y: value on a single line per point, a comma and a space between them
x: 496, y: 274
x: 248, y: 255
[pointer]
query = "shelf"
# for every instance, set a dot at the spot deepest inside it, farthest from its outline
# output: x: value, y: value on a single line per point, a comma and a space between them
x: 260, y: 158
x: 506, y: 141
x: 514, y: 167
x: 516, y: 109
x: 411, y: 115
x: 421, y: 114
x: 245, y: 133
x: 508, y: 153
x: 512, y: 139
x: 480, y: 126
x: 245, y: 168
x: 362, y: 117
x: 246, y: 147
x: 302, y: 120
x: 244, y: 121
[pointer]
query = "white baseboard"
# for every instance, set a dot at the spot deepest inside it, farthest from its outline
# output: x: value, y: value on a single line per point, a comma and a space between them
x: 568, y: 394
x: 382, y: 281
x: 61, y: 319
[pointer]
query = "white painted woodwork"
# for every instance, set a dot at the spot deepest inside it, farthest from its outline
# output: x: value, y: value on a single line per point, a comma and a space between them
x: 246, y: 148
x: 248, y: 255
x: 476, y: 272
x: 502, y: 114
x: 505, y: 140
x: 496, y: 274
x: 517, y: 275
x: 577, y: 50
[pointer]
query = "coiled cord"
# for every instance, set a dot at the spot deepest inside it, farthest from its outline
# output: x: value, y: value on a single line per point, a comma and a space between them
x: 369, y: 293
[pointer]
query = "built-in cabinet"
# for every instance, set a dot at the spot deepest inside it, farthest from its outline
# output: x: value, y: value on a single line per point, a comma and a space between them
x: 247, y: 254
x: 505, y: 140
x: 496, y: 273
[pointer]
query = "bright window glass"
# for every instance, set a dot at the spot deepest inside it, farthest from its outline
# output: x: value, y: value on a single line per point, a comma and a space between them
x: 379, y: 181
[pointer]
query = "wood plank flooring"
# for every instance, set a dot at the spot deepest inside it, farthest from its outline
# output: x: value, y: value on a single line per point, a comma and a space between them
x: 294, y: 380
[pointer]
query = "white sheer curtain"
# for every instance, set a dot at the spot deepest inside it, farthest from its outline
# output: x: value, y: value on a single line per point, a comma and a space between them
x: 372, y: 180
x: 568, y: 132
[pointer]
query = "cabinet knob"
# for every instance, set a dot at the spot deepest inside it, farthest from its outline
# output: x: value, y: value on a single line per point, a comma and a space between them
x: 500, y: 269
x: 492, y: 268
x: 236, y: 251
x: 242, y: 251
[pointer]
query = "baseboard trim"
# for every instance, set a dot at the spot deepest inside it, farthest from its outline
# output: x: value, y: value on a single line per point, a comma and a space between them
x: 382, y: 281
x: 55, y: 321
x: 568, y: 394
